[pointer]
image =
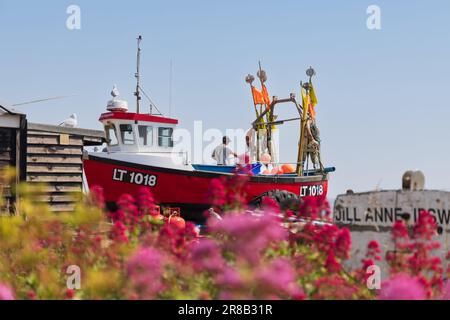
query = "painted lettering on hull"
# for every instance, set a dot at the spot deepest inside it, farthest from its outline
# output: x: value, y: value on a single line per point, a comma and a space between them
x: 311, y: 191
x: 139, y: 178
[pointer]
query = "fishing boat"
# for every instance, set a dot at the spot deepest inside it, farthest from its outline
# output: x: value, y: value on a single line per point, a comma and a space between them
x: 140, y: 153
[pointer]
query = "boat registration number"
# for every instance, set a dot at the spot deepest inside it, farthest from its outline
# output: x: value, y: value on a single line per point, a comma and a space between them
x: 311, y: 191
x: 139, y: 178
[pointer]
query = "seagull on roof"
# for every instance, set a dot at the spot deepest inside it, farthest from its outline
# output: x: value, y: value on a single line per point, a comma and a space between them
x: 115, y: 92
x: 71, y: 122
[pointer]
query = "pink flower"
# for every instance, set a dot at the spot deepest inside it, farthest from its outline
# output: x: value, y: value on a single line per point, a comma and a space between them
x: 31, y: 295
x: 145, y: 269
x: 325, y: 238
x: 446, y: 291
x: 236, y: 190
x: 229, y: 191
x: 373, y: 250
x: 331, y: 263
x: 335, y: 287
x: 309, y: 208
x: 6, y: 292
x: 97, y: 196
x: 206, y: 255
x: 402, y: 287
x: 270, y: 204
x: 146, y: 201
x: 279, y: 279
x: 343, y: 243
x: 249, y: 236
x: 399, y: 230
x: 230, y: 278
x: 217, y: 192
x: 367, y: 263
x: 374, y: 245
x: 125, y: 201
x: 70, y: 294
x: 119, y: 232
x: 425, y: 227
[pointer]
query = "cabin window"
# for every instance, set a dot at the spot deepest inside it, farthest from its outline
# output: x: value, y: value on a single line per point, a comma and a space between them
x: 146, y: 136
x: 111, y: 135
x: 126, y: 133
x: 165, y: 137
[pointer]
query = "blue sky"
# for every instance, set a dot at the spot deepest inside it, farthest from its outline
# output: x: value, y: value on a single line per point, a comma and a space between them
x: 383, y: 95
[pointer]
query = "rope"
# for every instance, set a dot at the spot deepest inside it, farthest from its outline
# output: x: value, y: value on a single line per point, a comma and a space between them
x: 150, y: 100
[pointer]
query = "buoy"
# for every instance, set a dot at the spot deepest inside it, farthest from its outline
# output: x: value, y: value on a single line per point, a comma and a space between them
x: 156, y: 214
x: 288, y: 168
x: 175, y: 220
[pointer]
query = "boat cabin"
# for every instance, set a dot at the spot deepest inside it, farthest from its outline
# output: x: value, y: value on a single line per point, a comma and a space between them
x: 136, y: 132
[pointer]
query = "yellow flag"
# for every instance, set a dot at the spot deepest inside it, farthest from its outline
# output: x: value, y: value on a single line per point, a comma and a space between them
x: 313, y: 96
x: 304, y: 98
x: 309, y: 102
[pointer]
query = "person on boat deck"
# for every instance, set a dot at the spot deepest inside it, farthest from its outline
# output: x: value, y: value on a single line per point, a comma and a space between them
x: 222, y: 152
x: 250, y: 148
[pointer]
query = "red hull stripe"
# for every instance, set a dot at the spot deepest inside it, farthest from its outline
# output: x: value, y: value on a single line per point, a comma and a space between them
x: 136, y: 117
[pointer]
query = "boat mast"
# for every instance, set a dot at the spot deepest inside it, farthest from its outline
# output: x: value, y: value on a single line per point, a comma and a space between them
x: 137, y: 74
x: 263, y: 78
x: 301, y: 145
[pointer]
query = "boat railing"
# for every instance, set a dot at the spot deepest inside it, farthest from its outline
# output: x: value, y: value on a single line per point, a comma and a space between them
x: 258, y: 169
x: 306, y: 172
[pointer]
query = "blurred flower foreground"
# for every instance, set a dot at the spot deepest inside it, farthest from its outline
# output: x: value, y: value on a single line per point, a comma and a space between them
x: 268, y: 253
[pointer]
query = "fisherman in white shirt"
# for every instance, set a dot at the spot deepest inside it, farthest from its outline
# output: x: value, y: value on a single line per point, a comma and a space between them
x: 222, y: 152
x: 250, y: 149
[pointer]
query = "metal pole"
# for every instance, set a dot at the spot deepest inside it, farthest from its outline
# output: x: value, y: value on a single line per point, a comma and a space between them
x: 301, y: 144
x: 249, y: 79
x: 137, y: 74
x: 170, y: 88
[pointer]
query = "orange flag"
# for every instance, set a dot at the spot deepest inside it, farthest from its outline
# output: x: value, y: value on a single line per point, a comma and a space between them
x: 257, y: 96
x: 265, y: 95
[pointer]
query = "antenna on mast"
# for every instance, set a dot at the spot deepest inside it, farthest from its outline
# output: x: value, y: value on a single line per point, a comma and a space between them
x: 137, y: 74
x: 170, y: 87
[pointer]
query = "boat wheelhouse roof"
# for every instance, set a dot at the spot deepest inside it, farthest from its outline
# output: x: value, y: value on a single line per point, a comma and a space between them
x: 136, y: 117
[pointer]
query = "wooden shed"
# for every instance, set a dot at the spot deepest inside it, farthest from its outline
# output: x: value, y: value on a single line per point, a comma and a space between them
x: 55, y: 157
x: 42, y: 153
x: 13, y: 126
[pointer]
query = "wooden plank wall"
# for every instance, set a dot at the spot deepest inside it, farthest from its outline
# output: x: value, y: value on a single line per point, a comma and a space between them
x: 7, y: 158
x: 56, y: 160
